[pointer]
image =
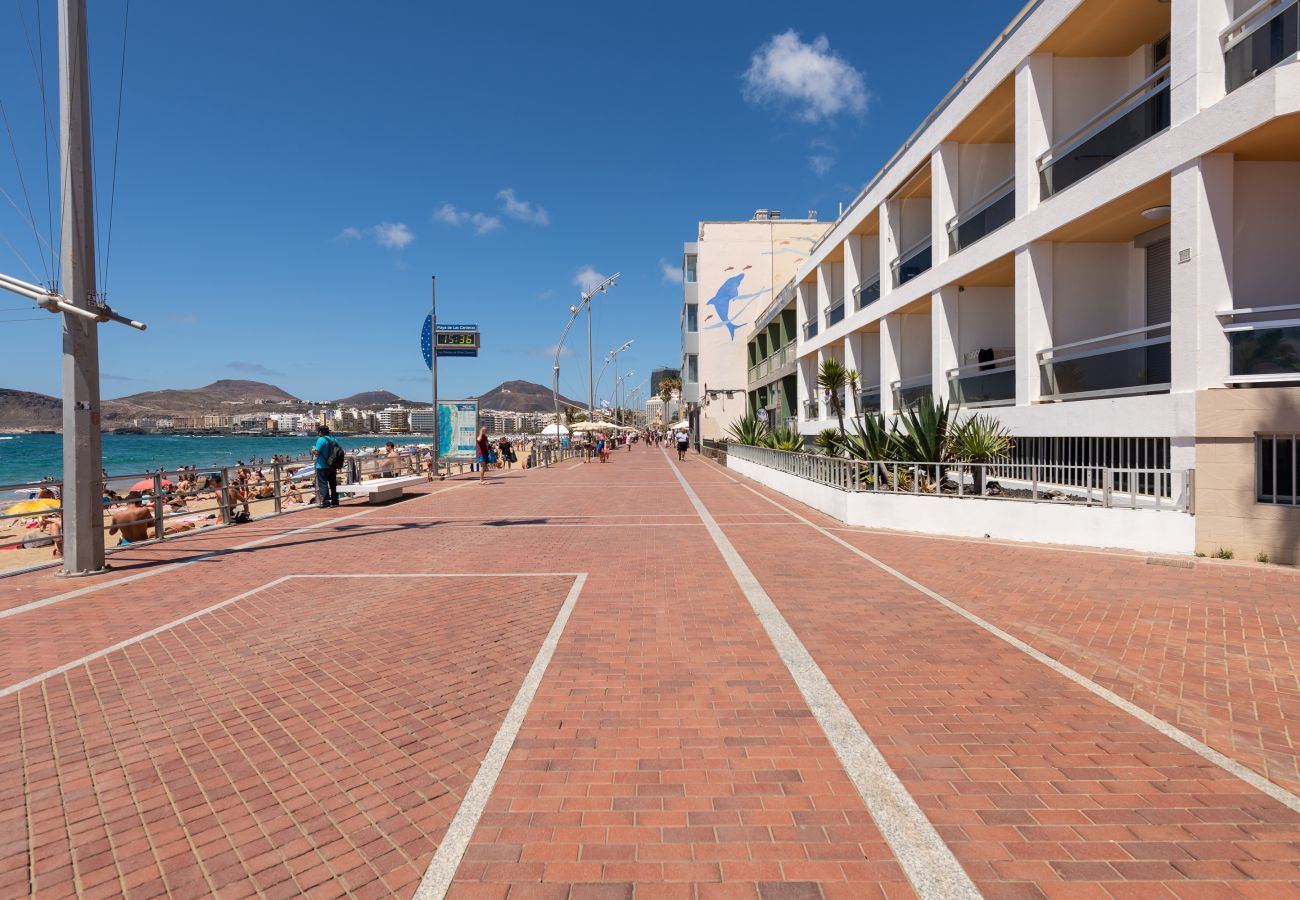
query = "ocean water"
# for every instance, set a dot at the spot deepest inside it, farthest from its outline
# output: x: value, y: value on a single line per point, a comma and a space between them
x: 31, y: 457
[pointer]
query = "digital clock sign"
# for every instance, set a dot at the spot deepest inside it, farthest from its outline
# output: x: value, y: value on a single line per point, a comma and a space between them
x: 458, y: 339
x: 452, y: 340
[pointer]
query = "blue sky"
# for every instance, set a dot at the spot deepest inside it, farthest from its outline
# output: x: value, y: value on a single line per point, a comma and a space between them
x: 291, y: 173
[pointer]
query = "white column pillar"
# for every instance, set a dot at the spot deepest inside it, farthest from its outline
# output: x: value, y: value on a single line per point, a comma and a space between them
x: 825, y: 293
x: 943, y: 197
x: 1201, y: 244
x: 889, y: 227
x: 1033, y: 317
x: 853, y: 269
x: 891, y: 352
x: 943, y: 338
x: 1196, y: 67
x: 805, y: 309
x: 852, y: 363
x: 1033, y: 126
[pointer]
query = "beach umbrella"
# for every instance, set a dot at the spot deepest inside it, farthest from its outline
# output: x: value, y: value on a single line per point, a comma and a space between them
x: 145, y: 485
x: 586, y: 426
x: 30, y: 507
x: 552, y: 430
x: 304, y: 472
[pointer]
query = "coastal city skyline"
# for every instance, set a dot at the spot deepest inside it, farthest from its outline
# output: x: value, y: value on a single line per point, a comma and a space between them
x: 231, y: 226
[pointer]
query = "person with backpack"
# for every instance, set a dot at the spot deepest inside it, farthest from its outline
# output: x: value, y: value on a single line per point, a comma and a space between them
x: 329, y: 459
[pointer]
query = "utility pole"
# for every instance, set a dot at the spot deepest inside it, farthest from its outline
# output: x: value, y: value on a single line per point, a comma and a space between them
x: 591, y: 387
x: 433, y: 367
x: 83, y: 506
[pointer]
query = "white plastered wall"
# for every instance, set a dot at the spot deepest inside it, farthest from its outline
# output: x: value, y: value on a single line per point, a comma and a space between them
x: 1092, y: 292
x: 982, y: 167
x: 986, y: 317
x: 1266, y: 246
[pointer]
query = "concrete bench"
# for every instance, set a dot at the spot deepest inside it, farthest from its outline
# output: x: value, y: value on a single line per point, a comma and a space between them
x: 381, y: 490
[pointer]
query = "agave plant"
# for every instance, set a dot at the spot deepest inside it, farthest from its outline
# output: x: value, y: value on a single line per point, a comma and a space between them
x: 787, y: 440
x: 873, y: 438
x: 927, y: 428
x: 748, y: 430
x: 979, y: 439
x: 832, y: 378
x: 828, y: 441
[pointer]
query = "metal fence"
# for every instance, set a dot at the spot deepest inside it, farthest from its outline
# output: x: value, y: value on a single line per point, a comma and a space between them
x: 1104, y: 486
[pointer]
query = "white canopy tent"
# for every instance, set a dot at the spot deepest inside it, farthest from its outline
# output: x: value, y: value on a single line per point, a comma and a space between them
x: 554, y: 430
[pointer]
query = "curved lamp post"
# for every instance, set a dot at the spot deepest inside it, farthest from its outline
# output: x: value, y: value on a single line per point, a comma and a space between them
x: 611, y: 357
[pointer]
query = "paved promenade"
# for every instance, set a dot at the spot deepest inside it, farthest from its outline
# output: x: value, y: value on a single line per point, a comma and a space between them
x: 644, y: 680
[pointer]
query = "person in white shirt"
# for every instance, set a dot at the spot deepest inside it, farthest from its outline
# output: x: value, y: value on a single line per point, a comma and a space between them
x: 682, y: 441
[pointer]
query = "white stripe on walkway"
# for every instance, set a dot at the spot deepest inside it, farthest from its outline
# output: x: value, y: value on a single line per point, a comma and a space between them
x: 929, y: 865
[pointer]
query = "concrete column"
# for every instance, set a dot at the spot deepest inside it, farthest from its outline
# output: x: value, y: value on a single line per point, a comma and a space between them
x: 1196, y: 68
x: 943, y: 338
x: 1033, y: 317
x: 825, y: 292
x: 805, y: 308
x: 852, y: 363
x: 943, y: 197
x: 889, y: 229
x: 1033, y: 126
x: 1201, y: 244
x: 891, y: 353
x: 853, y: 268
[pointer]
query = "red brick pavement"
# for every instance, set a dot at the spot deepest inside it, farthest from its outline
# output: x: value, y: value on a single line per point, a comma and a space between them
x: 667, y: 752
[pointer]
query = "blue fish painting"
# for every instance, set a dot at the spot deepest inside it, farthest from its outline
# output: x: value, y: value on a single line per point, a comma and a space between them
x: 722, y: 302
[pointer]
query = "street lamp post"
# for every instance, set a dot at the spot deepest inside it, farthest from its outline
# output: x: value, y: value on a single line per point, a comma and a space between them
x: 610, y: 357
x: 602, y: 288
x: 555, y: 373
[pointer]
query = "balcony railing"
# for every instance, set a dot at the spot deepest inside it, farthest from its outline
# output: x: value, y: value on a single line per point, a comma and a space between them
x: 1265, y: 342
x: 810, y: 329
x: 1127, y: 362
x: 986, y: 215
x: 990, y: 383
x: 835, y: 314
x: 1258, y: 40
x: 869, y: 401
x: 773, y: 362
x: 811, y: 410
x: 867, y: 293
x: 912, y: 262
x: 1131, y: 120
x: 908, y: 391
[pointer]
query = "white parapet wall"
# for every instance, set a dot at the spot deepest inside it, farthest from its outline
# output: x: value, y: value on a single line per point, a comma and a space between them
x: 1145, y: 530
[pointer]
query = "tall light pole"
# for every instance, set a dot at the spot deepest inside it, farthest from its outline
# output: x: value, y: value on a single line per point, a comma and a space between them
x: 555, y: 369
x: 610, y: 357
x: 602, y: 288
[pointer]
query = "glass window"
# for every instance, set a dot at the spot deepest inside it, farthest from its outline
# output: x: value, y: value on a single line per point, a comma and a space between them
x: 692, y: 368
x: 1275, y: 469
x: 688, y: 268
x: 692, y: 317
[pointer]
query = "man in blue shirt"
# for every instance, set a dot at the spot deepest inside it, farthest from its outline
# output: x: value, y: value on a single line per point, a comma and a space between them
x: 327, y: 477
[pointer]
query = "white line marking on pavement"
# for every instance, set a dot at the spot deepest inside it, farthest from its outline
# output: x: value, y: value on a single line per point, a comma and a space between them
x: 1201, y: 749
x: 442, y: 868
x: 169, y: 567
x: 930, y: 865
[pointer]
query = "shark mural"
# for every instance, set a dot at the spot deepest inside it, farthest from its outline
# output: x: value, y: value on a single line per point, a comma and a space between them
x: 730, y: 304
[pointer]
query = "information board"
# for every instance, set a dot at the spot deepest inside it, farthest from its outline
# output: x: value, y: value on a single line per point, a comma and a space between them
x: 453, y: 340
x: 457, y: 428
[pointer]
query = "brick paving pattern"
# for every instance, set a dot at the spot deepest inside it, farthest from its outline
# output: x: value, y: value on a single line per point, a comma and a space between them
x: 317, y: 735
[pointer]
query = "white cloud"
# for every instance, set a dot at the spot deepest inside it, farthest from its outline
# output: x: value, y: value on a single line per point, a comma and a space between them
x: 587, y: 278
x: 821, y: 163
x: 820, y: 83
x: 522, y: 209
x: 482, y: 223
x: 393, y: 235
x: 549, y: 351
x: 672, y: 274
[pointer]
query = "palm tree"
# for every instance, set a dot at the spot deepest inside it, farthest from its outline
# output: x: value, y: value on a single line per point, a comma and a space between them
x: 832, y: 377
x: 853, y: 378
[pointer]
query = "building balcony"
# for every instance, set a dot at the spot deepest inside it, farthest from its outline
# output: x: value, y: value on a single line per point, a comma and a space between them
x: 989, y: 383
x: 912, y: 262
x: 867, y: 293
x: 810, y: 329
x: 1131, y: 120
x: 908, y: 391
x: 772, y: 364
x: 1265, y: 343
x: 835, y: 314
x: 1267, y: 34
x: 1113, y: 365
x: 869, y: 400
x: 811, y: 411
x: 986, y: 215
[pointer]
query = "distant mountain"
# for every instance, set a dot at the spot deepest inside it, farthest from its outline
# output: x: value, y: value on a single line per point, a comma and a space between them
x: 23, y: 410
x: 523, y: 396
x: 225, y: 396
x: 374, y: 398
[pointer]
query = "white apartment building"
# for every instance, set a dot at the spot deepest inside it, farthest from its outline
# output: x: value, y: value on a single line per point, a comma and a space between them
x: 1094, y: 238
x: 736, y: 267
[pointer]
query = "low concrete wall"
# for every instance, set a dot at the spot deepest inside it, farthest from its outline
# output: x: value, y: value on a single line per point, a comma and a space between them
x: 1146, y: 530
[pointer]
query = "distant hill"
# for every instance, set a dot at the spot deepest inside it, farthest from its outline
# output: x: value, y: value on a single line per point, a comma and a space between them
x: 23, y: 410
x: 523, y: 396
x: 373, y: 398
x: 224, y: 396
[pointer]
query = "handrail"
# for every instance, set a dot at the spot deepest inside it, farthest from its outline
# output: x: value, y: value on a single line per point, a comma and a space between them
x: 1135, y: 97
x: 993, y: 195
x: 989, y: 365
x: 923, y: 244
x: 1254, y: 17
x: 914, y: 381
x: 1257, y: 310
x: 866, y: 283
x: 1263, y: 326
x: 1102, y: 338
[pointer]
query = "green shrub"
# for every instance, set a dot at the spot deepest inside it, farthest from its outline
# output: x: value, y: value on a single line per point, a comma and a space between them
x: 748, y: 430
x: 789, y: 441
x: 1222, y: 554
x: 828, y: 441
x: 1261, y: 556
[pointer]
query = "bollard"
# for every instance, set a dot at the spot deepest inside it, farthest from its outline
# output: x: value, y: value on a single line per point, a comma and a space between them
x: 225, y: 497
x: 158, y: 506
x: 275, y: 475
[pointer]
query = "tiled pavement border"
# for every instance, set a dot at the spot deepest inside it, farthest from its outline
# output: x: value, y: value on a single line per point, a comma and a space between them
x: 930, y: 865
x: 1231, y: 766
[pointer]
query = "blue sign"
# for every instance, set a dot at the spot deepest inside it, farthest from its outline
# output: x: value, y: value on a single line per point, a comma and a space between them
x: 453, y: 340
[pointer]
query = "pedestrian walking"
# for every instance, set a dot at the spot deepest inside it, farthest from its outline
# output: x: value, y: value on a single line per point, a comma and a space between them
x: 483, y: 452
x: 329, y: 459
x: 683, y: 440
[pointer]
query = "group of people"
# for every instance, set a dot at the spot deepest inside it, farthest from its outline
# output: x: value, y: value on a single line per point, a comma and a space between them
x: 680, y: 438
x: 489, y: 454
